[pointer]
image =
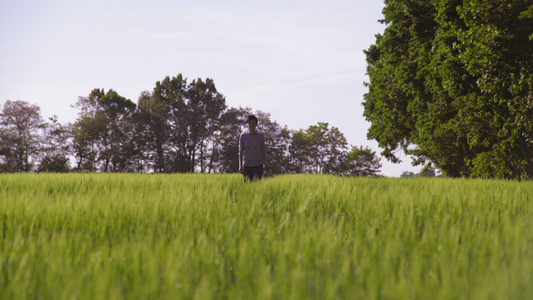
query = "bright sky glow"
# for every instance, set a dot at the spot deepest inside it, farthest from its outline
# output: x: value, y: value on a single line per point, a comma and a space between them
x: 300, y: 60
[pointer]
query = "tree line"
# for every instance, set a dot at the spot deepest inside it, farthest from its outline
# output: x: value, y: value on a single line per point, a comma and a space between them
x: 451, y: 83
x: 179, y: 127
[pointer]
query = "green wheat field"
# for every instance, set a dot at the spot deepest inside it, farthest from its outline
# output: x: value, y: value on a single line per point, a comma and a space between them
x: 198, y: 236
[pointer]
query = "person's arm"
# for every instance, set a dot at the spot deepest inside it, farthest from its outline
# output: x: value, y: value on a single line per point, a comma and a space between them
x: 241, y: 153
x: 263, y: 153
x: 241, y: 158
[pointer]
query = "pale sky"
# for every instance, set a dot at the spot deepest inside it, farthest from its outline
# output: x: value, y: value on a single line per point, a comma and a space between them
x: 300, y: 60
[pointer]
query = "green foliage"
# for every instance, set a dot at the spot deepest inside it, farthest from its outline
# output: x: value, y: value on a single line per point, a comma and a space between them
x: 55, y: 147
x: 408, y: 174
x: 455, y: 79
x: 200, y: 236
x: 55, y: 164
x: 427, y: 171
x: 363, y: 162
x: 277, y: 142
x: 232, y: 125
x: 226, y: 140
x: 179, y: 127
x: 102, y: 133
x: 20, y: 123
x: 179, y: 120
x: 318, y: 149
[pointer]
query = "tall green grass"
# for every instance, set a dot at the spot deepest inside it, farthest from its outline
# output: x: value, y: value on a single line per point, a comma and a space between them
x: 132, y: 236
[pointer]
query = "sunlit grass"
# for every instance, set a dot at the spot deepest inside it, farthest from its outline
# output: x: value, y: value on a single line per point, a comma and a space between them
x: 120, y: 236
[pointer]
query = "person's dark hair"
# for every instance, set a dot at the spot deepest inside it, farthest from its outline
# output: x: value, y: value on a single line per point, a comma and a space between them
x: 252, y: 118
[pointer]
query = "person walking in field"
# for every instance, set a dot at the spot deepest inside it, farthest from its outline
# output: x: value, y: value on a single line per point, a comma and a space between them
x: 252, y: 152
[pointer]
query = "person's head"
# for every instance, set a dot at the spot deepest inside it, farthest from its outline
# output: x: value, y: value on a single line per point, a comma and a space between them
x: 252, y: 122
x: 252, y: 118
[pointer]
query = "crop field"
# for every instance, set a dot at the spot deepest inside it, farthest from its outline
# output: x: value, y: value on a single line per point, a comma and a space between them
x: 194, y: 236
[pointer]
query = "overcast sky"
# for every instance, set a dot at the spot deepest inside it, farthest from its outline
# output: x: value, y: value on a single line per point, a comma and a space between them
x: 300, y: 60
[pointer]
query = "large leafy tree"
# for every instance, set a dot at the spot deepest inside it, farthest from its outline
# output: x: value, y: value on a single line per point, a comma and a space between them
x: 277, y: 142
x: 233, y: 124
x: 205, y: 106
x: 451, y: 83
x: 226, y: 140
x: 153, y: 132
x: 102, y: 132
x: 179, y: 119
x: 300, y: 154
x: 362, y: 162
x: 318, y: 149
x: 20, y: 126
x: 55, y: 147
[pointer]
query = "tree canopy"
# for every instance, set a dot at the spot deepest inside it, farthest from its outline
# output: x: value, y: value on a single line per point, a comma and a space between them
x: 19, y: 126
x: 451, y: 83
x: 180, y: 126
